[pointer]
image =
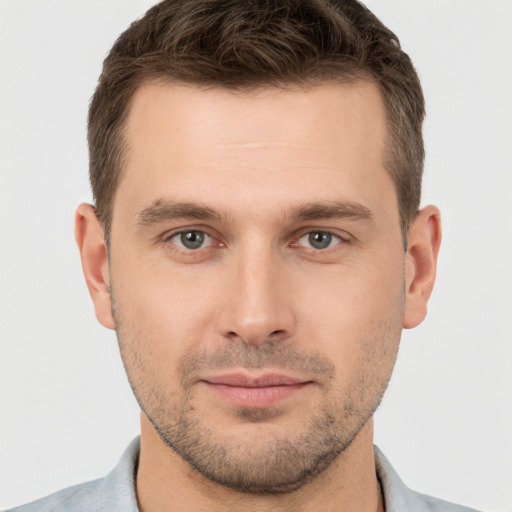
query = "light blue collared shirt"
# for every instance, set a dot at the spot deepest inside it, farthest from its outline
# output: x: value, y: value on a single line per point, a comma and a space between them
x: 116, y: 492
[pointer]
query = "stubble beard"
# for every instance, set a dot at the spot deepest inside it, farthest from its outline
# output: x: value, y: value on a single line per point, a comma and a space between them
x: 275, y: 464
x: 269, y: 465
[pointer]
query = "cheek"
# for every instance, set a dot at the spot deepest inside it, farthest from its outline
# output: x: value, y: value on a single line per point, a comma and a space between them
x: 169, y: 311
x: 358, y: 330
x: 338, y: 308
x: 354, y: 310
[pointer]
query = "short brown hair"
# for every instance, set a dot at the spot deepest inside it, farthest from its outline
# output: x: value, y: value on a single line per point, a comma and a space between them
x: 246, y: 44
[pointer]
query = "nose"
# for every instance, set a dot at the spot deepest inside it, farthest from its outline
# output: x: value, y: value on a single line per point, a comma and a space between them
x: 258, y: 304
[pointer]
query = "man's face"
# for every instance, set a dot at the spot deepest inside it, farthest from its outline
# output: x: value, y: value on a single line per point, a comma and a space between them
x: 257, y: 275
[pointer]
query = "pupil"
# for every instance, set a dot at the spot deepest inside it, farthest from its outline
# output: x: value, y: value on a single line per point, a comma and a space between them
x: 192, y: 239
x: 320, y: 240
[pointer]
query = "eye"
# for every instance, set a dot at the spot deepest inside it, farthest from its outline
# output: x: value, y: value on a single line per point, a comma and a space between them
x: 319, y: 240
x: 191, y: 239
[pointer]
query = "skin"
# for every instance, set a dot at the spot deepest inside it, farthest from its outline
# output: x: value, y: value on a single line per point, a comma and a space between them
x: 257, y: 173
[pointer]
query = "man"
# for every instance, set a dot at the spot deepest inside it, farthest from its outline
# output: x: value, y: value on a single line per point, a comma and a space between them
x: 256, y: 244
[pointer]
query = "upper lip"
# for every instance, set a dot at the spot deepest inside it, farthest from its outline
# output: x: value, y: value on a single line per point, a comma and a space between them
x: 250, y: 381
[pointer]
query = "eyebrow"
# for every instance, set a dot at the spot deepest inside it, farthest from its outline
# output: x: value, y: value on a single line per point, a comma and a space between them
x: 332, y: 210
x: 164, y: 210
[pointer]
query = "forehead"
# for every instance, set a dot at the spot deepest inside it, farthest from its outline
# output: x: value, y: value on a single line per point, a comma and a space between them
x: 210, y: 144
x: 219, y: 115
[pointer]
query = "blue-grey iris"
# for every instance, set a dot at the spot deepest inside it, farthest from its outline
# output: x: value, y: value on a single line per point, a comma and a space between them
x: 192, y: 239
x: 320, y: 239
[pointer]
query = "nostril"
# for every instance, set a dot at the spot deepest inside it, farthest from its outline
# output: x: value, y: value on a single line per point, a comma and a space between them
x: 273, y: 337
x: 277, y: 336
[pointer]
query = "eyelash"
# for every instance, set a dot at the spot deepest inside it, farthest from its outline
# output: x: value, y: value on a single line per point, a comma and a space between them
x: 168, y: 239
x: 341, y: 240
x: 332, y: 236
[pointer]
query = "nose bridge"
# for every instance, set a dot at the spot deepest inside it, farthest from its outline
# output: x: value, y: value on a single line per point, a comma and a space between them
x: 257, y: 305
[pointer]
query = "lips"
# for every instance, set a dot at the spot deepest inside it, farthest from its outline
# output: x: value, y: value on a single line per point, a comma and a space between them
x: 255, y: 391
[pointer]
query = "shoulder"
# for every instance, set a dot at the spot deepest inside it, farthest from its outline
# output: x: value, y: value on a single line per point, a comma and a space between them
x: 114, y: 493
x: 79, y: 498
x: 432, y: 504
x: 399, y: 498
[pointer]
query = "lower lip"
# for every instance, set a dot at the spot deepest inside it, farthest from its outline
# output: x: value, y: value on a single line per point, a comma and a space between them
x: 258, y: 397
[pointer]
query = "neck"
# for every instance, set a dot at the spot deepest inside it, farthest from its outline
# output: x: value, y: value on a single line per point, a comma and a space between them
x: 166, y: 482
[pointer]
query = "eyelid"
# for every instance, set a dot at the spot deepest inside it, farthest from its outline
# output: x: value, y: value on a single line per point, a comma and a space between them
x: 342, y: 236
x: 167, y: 238
x: 333, y: 238
x: 172, y: 233
x: 167, y: 235
x: 208, y: 239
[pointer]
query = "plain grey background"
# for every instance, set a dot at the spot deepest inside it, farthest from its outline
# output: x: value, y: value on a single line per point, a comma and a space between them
x: 66, y: 410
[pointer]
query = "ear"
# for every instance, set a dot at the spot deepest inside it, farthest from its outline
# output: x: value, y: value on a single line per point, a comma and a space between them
x: 90, y: 238
x: 424, y: 239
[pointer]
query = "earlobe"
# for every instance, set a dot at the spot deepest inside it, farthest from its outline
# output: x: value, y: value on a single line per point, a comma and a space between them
x: 424, y: 240
x: 90, y: 239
